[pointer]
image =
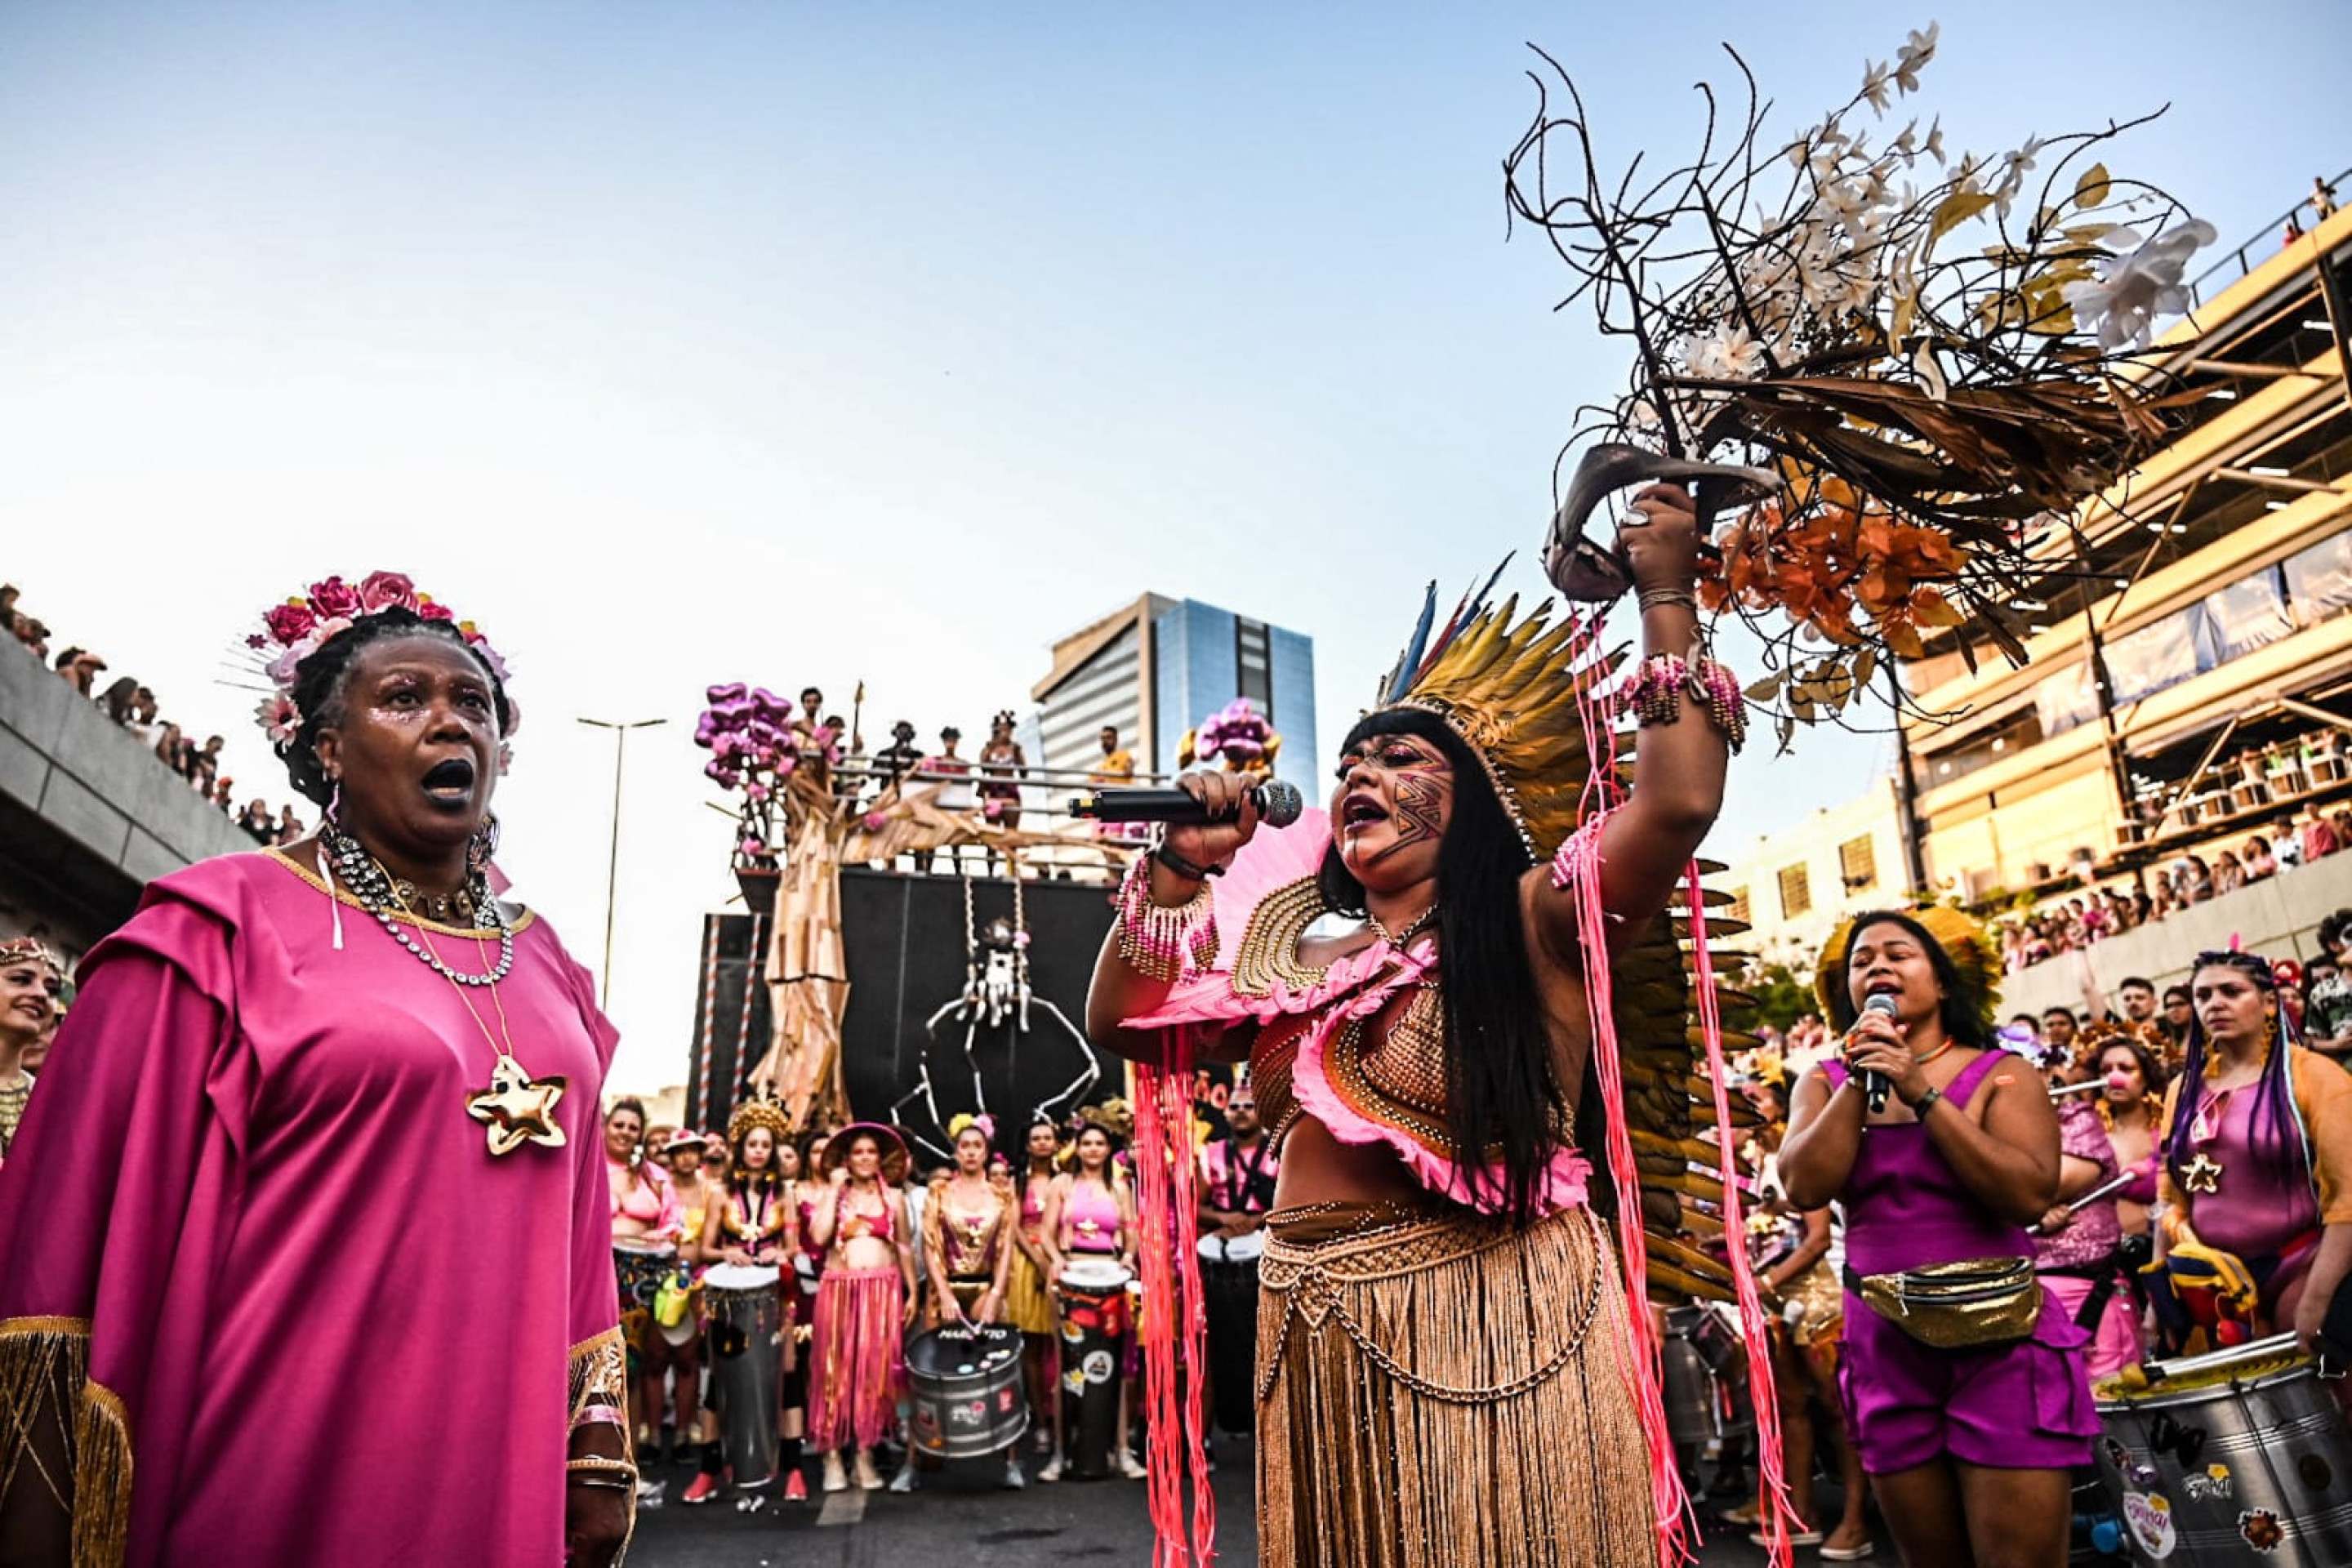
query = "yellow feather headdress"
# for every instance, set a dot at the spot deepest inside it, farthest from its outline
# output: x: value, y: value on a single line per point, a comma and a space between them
x: 1512, y: 694
x: 1965, y: 941
x: 758, y: 1110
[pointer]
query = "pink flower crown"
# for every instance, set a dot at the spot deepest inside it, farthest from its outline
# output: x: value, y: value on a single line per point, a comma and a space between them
x: 293, y: 631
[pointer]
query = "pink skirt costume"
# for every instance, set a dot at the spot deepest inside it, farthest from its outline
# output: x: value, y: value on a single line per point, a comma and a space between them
x: 2025, y: 1405
x: 2074, y: 1262
x: 859, y: 1364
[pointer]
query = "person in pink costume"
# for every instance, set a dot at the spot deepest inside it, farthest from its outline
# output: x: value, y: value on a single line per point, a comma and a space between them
x: 318, y: 1151
x: 865, y: 1302
x: 1968, y: 1449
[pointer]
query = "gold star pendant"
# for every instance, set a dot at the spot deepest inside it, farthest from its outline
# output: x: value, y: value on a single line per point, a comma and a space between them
x: 2201, y: 1175
x: 517, y: 1109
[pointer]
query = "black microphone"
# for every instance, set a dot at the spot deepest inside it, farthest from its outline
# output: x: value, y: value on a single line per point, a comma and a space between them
x: 1278, y: 806
x: 1875, y: 1085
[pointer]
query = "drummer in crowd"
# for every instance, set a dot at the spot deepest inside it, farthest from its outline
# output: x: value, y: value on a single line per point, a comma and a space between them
x: 866, y: 1301
x: 1802, y: 1288
x: 646, y: 1227
x: 967, y: 1247
x: 1237, y: 1179
x: 750, y: 1225
x: 2130, y: 1108
x: 1090, y: 1213
x: 2077, y: 1240
x: 1969, y: 1420
x: 1029, y: 1304
x: 673, y: 1350
x: 2257, y: 1152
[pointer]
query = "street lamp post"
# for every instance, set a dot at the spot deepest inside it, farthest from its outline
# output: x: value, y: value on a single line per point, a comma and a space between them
x: 613, y: 864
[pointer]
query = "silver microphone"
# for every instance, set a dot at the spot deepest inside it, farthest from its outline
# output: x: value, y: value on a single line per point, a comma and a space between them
x: 1877, y: 1087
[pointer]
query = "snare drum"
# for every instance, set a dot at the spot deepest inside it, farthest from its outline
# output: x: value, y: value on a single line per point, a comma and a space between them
x: 1094, y: 1321
x: 747, y: 1313
x: 2237, y: 1456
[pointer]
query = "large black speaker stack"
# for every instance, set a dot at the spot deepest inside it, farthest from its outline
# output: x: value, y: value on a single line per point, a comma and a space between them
x: 905, y: 939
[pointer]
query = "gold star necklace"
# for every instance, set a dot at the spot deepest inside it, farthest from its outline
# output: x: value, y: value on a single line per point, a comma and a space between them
x: 515, y: 1107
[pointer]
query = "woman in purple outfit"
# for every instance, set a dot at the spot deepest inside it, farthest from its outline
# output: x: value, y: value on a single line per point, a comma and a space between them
x: 1968, y: 1440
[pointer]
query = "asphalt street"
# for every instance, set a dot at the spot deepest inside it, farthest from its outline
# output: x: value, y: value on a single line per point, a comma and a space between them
x: 964, y: 1518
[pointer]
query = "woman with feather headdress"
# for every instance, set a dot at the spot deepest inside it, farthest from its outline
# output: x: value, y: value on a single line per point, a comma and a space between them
x: 1442, y: 1309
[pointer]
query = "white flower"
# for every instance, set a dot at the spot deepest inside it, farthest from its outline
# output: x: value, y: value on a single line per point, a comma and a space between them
x: 1728, y: 354
x: 1875, y: 79
x: 1934, y: 145
x: 1906, y: 146
x: 2020, y: 162
x: 1916, y: 51
x: 2120, y: 306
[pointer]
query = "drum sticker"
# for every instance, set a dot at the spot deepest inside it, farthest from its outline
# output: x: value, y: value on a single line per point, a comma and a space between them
x: 2148, y: 1516
x: 1004, y: 1397
x: 973, y: 1415
x: 2316, y: 1471
x: 2166, y: 1435
x: 2118, y: 1455
x: 2214, y: 1482
x: 1098, y: 1366
x: 2261, y: 1528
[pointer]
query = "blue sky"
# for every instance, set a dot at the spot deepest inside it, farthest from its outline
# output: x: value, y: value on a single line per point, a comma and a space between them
x: 692, y: 343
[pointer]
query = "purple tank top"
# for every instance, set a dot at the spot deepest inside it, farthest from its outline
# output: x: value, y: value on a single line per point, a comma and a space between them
x: 1904, y: 1208
x: 2258, y: 1203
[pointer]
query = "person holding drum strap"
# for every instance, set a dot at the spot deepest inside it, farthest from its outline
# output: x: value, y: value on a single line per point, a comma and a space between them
x: 1962, y: 1378
x: 1029, y: 1306
x: 2257, y: 1148
x: 968, y: 1248
x: 746, y: 1237
x: 865, y: 1300
x: 1089, y: 1214
x: 646, y: 1226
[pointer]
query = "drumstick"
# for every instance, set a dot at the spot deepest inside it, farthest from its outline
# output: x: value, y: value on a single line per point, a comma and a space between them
x: 2094, y: 1196
x: 2078, y: 1089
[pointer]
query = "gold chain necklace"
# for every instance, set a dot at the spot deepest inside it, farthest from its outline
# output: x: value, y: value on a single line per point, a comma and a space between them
x: 1406, y: 935
x: 516, y: 1108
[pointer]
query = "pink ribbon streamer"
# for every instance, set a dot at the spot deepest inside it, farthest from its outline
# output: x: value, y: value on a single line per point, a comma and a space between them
x: 1779, y: 1512
x: 1175, y: 1448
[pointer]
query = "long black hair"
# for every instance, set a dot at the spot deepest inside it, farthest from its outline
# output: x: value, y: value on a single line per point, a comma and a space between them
x: 2274, y: 1110
x: 320, y: 681
x: 1960, y: 1011
x: 1502, y: 1095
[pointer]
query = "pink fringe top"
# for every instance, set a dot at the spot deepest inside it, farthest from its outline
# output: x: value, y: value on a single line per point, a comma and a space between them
x: 1356, y: 986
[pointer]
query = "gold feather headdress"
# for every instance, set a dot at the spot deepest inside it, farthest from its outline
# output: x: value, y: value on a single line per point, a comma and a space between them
x: 1965, y: 941
x: 759, y: 1111
x: 1515, y: 694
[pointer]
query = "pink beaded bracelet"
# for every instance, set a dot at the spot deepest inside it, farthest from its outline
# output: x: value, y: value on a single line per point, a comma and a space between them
x: 1155, y: 941
x: 1663, y: 680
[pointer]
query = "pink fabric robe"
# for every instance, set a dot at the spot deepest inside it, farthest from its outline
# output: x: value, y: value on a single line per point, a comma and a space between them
x: 339, y: 1331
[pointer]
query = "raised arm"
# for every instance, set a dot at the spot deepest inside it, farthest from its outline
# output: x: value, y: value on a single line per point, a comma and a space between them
x: 1122, y: 987
x: 1679, y: 761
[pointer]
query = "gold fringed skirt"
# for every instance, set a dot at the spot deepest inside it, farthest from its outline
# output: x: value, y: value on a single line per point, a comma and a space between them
x: 1440, y: 1388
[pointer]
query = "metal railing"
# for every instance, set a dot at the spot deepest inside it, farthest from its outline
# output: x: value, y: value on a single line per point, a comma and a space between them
x: 2268, y: 233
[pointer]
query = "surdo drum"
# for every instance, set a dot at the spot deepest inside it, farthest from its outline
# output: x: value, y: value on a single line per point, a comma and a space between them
x: 967, y: 1397
x: 2237, y: 1456
x: 747, y: 1316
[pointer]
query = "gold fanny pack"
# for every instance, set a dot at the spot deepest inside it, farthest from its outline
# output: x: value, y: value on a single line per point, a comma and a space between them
x: 1966, y: 1305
